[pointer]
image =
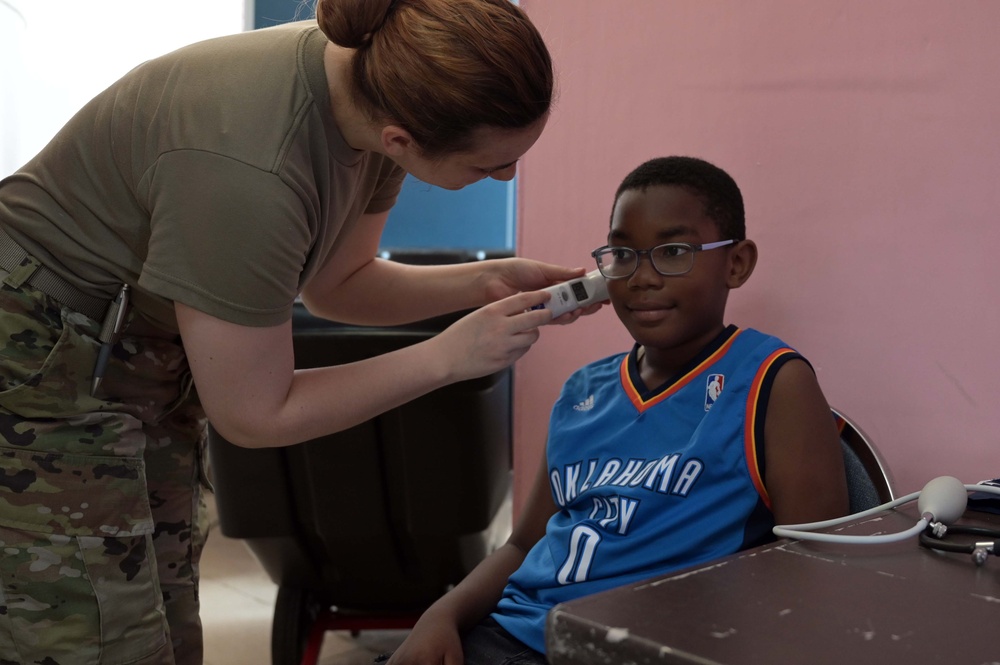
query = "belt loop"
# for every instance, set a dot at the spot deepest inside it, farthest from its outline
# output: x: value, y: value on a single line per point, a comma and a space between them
x: 22, y: 272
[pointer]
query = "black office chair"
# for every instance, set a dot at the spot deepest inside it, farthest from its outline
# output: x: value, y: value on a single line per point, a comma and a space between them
x: 869, y: 481
x: 365, y: 528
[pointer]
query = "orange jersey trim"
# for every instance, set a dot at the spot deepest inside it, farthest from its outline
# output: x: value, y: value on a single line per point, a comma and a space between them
x: 641, y: 405
x: 750, y: 423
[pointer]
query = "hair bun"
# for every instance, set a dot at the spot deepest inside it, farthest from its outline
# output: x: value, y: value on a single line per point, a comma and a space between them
x: 352, y: 23
x: 440, y: 69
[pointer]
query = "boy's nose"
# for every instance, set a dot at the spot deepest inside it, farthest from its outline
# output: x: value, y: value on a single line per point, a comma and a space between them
x: 645, y: 274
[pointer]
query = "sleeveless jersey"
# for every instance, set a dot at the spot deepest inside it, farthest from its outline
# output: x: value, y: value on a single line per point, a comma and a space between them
x: 648, y: 481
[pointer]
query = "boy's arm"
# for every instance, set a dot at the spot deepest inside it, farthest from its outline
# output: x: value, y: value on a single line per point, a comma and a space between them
x: 805, y: 466
x: 436, y: 638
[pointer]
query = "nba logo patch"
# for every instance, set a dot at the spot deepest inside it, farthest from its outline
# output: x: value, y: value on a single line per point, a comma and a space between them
x: 713, y: 389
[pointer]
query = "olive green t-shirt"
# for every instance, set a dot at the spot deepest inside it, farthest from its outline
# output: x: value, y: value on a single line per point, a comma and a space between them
x: 214, y: 176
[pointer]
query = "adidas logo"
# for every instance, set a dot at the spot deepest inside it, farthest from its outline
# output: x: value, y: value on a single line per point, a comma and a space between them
x: 585, y: 405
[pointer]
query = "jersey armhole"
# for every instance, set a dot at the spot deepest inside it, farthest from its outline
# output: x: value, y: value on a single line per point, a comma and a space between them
x: 757, y: 401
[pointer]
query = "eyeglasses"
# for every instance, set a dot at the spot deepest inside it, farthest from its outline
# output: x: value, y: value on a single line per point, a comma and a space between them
x: 672, y: 258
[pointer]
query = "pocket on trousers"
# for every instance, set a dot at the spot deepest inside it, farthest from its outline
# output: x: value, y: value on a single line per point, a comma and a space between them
x: 80, y: 599
x: 46, y: 359
x: 77, y: 564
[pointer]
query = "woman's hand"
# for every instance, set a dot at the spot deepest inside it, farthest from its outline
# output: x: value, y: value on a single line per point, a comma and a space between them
x: 509, y: 276
x: 492, y: 337
x: 570, y: 317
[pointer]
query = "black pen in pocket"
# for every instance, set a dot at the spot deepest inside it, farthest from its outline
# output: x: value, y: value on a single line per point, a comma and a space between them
x: 110, y: 328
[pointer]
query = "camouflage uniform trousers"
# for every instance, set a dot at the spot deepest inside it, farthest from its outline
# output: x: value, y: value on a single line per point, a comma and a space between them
x: 102, y: 512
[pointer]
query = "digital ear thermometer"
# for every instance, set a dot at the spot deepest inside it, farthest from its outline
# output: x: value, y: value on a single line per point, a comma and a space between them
x: 580, y: 292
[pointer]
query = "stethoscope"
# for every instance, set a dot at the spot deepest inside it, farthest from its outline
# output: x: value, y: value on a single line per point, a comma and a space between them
x: 933, y: 537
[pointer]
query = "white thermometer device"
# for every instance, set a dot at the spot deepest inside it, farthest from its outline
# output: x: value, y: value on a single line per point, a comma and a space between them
x: 580, y: 292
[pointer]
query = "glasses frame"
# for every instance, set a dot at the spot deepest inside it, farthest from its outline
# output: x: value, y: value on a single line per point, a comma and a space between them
x: 649, y: 252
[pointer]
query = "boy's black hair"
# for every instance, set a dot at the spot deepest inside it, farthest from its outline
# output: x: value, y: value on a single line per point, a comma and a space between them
x: 722, y: 197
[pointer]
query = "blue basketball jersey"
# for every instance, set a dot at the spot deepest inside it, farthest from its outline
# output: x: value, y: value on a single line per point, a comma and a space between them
x: 648, y: 481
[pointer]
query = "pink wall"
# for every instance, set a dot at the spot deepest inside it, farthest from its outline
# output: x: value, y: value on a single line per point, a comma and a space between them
x: 866, y: 139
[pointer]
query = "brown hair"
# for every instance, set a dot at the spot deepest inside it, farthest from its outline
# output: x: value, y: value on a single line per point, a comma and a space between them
x: 442, y: 68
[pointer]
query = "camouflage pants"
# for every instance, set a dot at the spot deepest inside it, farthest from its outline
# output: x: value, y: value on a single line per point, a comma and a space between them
x: 102, y: 516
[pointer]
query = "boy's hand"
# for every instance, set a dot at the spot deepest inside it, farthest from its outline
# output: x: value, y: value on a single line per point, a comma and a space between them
x: 430, y: 643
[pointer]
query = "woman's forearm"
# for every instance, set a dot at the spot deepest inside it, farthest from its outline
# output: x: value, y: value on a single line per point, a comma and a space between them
x: 388, y: 293
x: 255, y: 398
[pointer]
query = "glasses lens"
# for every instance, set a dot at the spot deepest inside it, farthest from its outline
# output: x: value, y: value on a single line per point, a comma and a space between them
x: 672, y: 258
x: 616, y: 261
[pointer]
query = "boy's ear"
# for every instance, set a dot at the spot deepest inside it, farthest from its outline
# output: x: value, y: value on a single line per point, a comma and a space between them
x: 742, y: 259
x: 396, y: 140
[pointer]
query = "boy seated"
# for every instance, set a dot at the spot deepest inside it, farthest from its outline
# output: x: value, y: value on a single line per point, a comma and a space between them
x: 689, y: 447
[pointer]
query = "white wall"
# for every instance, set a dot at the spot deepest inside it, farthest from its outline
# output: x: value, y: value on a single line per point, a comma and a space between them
x: 57, y: 54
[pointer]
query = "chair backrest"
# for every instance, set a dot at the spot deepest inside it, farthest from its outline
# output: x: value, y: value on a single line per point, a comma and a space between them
x: 869, y: 481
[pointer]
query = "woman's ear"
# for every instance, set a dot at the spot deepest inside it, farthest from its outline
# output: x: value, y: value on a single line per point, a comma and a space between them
x: 396, y: 141
x: 742, y: 259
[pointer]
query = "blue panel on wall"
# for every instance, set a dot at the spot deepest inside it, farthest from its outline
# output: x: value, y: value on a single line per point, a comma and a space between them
x: 272, y: 12
x: 479, y: 217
